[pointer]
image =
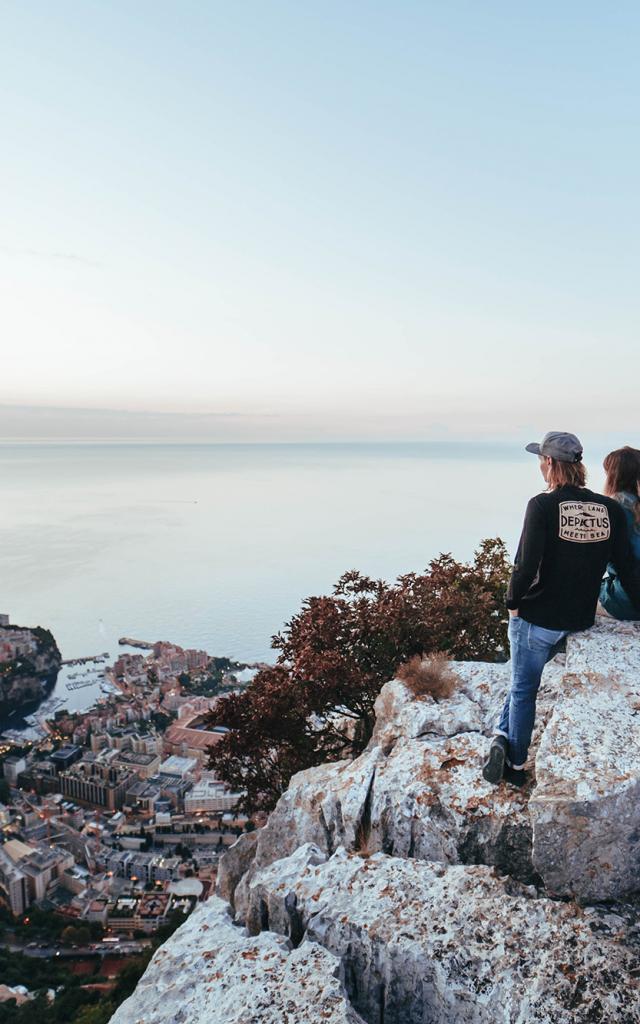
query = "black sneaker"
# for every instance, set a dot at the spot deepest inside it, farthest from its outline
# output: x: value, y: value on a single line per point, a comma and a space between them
x: 514, y: 776
x: 494, y: 766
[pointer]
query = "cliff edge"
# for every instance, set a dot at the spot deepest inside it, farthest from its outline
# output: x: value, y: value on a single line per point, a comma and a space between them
x: 400, y: 888
x: 29, y: 664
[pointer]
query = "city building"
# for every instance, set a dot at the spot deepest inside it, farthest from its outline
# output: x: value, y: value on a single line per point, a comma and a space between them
x: 174, y: 789
x: 79, y: 843
x: 41, y: 777
x: 148, y: 912
x: 13, y: 885
x: 12, y: 767
x: 128, y: 738
x: 182, y: 767
x: 142, y: 796
x: 209, y: 794
x: 173, y: 700
x: 65, y: 756
x: 28, y: 872
x: 96, y: 783
x: 16, y: 643
x: 76, y: 879
x: 192, y: 737
x: 97, y: 911
x: 197, y: 659
x: 131, y: 669
x: 143, y: 765
x: 140, y: 866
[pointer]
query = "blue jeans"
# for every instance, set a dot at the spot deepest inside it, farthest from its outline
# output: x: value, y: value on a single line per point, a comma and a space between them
x: 531, y: 648
x: 614, y: 598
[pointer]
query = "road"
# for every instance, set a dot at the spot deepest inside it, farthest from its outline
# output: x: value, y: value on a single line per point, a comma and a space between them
x: 122, y: 948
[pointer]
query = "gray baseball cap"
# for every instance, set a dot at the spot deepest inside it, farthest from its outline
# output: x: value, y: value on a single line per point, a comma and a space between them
x: 557, y: 444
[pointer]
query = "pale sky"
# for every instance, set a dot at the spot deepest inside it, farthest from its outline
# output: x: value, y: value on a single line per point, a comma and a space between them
x: 308, y: 221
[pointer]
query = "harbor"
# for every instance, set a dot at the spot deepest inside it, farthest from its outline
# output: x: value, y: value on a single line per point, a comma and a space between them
x: 35, y: 725
x: 80, y: 680
x: 79, y: 684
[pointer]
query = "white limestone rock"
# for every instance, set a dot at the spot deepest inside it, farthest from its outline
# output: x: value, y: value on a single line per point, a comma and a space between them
x: 429, y: 801
x: 234, y: 863
x: 300, y: 817
x: 212, y: 972
x: 488, y: 685
x: 416, y: 791
x: 401, y: 715
x: 610, y: 649
x: 425, y: 943
x: 585, y: 808
x: 425, y: 799
x: 280, y: 914
x: 474, y: 706
x: 299, y: 814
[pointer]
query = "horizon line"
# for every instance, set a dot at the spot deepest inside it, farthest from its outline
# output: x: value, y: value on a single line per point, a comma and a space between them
x: 168, y: 442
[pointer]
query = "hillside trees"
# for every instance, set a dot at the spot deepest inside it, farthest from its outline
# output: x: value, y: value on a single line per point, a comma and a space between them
x: 316, y: 703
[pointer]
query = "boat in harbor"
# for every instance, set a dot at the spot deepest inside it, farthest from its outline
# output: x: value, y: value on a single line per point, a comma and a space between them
x: 79, y: 684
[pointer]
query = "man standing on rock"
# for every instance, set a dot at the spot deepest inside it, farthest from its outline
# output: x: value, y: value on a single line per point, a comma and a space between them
x: 569, y: 535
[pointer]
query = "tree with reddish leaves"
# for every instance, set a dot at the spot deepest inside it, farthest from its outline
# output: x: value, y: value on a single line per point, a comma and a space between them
x: 316, y: 703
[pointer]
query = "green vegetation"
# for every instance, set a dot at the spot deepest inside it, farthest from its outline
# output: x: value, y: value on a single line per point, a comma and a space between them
x: 98, y: 1014
x: 160, y: 720
x: 46, y: 643
x: 173, y: 923
x: 40, y: 976
x: 210, y: 683
x: 17, y: 667
x: 76, y: 935
x: 32, y: 972
x: 42, y: 925
x: 73, y: 1003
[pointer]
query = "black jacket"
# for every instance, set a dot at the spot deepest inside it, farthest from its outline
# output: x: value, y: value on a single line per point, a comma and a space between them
x: 568, y: 537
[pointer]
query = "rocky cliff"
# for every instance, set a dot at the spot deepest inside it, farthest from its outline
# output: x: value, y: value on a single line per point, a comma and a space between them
x: 29, y: 665
x: 400, y: 888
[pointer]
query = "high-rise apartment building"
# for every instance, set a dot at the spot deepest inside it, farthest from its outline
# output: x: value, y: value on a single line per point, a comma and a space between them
x: 99, y: 785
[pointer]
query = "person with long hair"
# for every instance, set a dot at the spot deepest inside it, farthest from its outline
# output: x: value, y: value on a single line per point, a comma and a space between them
x: 569, y: 536
x: 622, y: 467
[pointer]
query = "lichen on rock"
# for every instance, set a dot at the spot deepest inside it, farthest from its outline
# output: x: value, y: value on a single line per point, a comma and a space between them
x: 213, y: 972
x: 426, y: 942
x: 585, y: 808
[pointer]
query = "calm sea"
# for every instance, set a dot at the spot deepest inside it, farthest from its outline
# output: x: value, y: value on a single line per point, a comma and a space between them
x: 215, y: 546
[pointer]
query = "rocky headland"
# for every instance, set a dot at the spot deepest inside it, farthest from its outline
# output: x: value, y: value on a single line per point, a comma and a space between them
x: 400, y: 888
x: 29, y: 665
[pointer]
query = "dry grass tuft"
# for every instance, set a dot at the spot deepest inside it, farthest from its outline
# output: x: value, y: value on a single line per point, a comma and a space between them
x: 430, y: 676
